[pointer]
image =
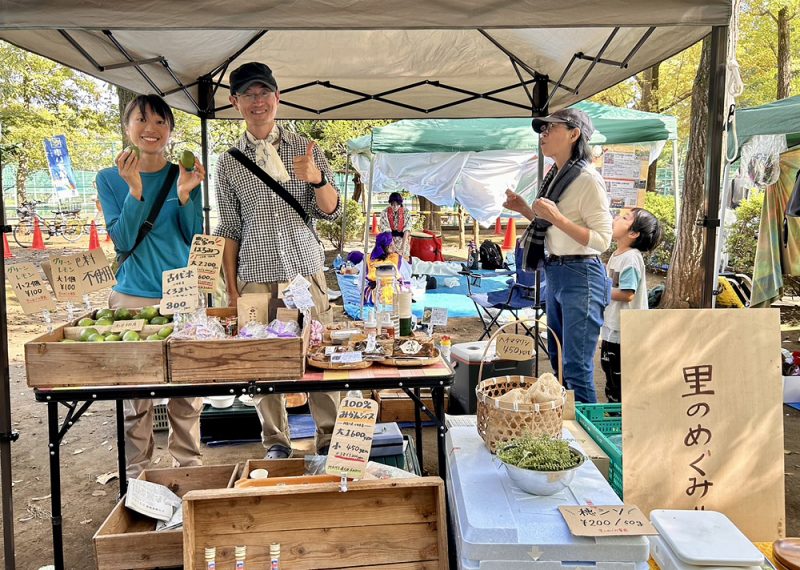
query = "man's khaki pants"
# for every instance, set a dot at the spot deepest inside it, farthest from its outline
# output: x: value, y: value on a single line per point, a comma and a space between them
x: 183, y: 414
x: 272, y: 409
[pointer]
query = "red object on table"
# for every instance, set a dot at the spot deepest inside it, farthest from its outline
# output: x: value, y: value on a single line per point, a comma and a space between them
x: 427, y: 246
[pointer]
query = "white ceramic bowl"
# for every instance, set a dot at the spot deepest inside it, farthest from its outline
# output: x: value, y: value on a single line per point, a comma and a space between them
x: 259, y: 474
x: 221, y: 402
x: 543, y: 482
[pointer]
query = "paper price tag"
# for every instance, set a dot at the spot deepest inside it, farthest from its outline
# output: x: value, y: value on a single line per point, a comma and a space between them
x: 616, y: 520
x: 352, y: 437
x: 514, y: 347
x: 329, y: 350
x: 91, y: 269
x: 347, y: 357
x: 299, y: 282
x: 206, y: 256
x: 132, y: 325
x: 436, y: 316
x: 65, y: 281
x: 29, y: 288
x: 181, y: 293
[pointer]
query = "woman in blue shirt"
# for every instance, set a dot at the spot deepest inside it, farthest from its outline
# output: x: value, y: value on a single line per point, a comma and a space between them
x: 127, y: 192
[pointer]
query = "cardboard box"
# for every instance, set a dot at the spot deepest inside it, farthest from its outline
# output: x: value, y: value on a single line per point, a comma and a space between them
x: 396, y: 406
x: 393, y: 523
x: 202, y: 361
x: 50, y: 362
x: 593, y: 451
x: 128, y: 541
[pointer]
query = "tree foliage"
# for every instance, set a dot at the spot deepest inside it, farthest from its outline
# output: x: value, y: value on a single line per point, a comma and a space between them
x: 742, y: 235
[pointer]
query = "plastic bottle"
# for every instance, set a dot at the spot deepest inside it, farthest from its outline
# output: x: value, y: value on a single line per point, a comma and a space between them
x: 211, y: 558
x: 338, y: 262
x: 275, y: 556
x: 404, y: 309
x: 387, y: 292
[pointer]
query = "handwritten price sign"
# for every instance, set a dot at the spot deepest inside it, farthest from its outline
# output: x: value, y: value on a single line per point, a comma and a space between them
x: 514, y: 347
x: 65, y: 281
x: 352, y: 437
x: 181, y: 292
x: 29, y: 288
x: 616, y: 520
x: 206, y: 256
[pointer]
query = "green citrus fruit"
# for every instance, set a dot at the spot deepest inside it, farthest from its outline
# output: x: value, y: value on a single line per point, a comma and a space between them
x: 159, y: 320
x: 105, y: 314
x: 85, y: 322
x: 154, y: 337
x: 104, y: 322
x: 86, y: 333
x: 113, y: 337
x: 135, y: 150
x: 123, y: 315
x: 97, y: 337
x: 131, y: 335
x: 147, y: 313
x: 165, y: 331
x: 187, y: 160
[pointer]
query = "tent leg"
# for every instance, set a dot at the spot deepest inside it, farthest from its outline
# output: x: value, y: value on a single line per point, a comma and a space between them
x: 204, y: 154
x: 55, y: 485
x: 366, y: 236
x: 675, y: 186
x: 716, y: 123
x: 344, y: 202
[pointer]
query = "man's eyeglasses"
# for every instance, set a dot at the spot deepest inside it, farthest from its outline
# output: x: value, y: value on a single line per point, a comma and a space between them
x: 253, y: 97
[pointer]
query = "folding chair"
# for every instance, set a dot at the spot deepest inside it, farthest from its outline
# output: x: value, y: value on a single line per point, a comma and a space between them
x: 521, y: 294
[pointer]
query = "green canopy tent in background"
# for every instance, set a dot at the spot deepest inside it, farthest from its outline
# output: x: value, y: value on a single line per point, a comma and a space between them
x: 773, y: 260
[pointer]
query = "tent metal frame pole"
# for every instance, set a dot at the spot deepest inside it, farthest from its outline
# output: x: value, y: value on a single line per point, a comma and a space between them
x: 676, y: 188
x: 204, y: 154
x: 716, y: 124
x: 7, y: 435
x: 344, y: 202
x: 366, y: 236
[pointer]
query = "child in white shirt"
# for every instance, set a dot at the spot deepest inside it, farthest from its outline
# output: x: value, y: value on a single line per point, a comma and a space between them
x: 636, y: 232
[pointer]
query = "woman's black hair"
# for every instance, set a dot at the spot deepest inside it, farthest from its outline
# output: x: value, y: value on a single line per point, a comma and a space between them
x: 580, y: 148
x: 648, y: 228
x: 156, y: 103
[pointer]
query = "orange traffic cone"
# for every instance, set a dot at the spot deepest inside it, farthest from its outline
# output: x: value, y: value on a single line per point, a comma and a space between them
x: 374, y: 224
x: 94, y: 239
x: 38, y: 242
x: 498, y: 226
x: 6, y: 250
x: 509, y: 242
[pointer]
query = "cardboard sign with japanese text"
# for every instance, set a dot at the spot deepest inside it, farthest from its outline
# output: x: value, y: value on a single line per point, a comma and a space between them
x: 514, y: 347
x: 29, y: 288
x: 91, y: 268
x: 206, y: 255
x: 64, y: 278
x: 180, y: 291
x: 352, y: 437
x: 703, y: 414
x: 611, y: 520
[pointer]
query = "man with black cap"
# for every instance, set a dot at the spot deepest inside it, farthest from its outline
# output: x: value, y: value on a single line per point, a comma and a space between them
x: 270, y: 187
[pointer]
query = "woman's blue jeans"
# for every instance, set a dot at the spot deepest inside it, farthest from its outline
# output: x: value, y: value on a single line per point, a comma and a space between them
x: 577, y: 293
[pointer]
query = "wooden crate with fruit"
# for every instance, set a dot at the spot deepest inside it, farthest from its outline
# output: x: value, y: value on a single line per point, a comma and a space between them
x: 234, y: 359
x: 105, y: 348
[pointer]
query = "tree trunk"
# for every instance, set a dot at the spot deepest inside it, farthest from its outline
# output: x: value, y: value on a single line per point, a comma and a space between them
x: 650, y: 103
x: 461, y: 237
x: 125, y: 96
x: 433, y: 222
x: 784, y: 54
x: 684, y: 286
x: 358, y: 186
x: 22, y: 174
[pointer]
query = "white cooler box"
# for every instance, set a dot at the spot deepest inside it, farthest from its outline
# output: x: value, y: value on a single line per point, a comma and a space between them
x: 499, y: 527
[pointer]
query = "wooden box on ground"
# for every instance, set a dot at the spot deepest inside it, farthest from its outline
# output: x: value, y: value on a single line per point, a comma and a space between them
x: 275, y: 467
x: 127, y: 540
x: 232, y: 360
x: 394, y: 524
x: 50, y: 362
x: 396, y: 406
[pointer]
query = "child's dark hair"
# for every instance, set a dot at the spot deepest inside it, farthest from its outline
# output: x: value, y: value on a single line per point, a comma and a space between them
x: 649, y: 229
x: 156, y: 103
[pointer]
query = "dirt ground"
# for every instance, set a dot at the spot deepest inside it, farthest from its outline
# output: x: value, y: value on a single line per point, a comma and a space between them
x: 89, y: 449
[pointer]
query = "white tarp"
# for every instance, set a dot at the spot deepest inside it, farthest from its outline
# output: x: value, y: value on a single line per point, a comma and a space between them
x: 338, y: 59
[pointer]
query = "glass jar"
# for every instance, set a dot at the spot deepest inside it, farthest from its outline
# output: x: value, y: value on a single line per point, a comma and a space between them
x: 387, y: 297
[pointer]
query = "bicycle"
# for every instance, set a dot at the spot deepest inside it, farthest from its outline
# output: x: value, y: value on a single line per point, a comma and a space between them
x: 65, y: 222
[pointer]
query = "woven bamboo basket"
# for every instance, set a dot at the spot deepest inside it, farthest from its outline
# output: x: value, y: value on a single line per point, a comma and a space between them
x: 500, y: 421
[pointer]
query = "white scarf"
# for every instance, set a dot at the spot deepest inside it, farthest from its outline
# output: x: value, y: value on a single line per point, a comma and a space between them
x: 267, y: 156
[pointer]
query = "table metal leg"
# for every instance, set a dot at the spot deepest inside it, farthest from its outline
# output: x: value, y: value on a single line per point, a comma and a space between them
x: 438, y: 409
x: 122, y: 464
x: 54, y: 440
x: 418, y: 430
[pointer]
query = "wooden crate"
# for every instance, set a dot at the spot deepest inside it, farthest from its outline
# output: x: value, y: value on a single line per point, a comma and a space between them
x: 396, y: 406
x: 50, y: 362
x: 128, y: 541
x: 203, y: 361
x: 394, y: 524
x: 275, y: 467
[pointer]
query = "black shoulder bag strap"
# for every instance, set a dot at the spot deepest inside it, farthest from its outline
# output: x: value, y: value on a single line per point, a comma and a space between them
x: 275, y: 186
x: 154, y: 211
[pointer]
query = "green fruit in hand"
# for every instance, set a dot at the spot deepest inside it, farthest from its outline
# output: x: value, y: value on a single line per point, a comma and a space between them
x: 104, y: 322
x: 165, y: 331
x: 147, y: 313
x: 187, y: 160
x: 135, y: 150
x: 97, y: 337
x: 123, y: 315
x: 105, y: 314
x: 159, y: 320
x: 154, y: 337
x: 86, y: 333
x: 85, y: 322
x: 113, y: 337
x: 131, y: 335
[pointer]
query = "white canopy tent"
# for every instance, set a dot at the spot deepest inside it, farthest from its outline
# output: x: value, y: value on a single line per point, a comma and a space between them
x: 339, y: 59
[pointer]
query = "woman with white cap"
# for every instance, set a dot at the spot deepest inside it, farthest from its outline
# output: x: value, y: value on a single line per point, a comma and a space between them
x: 570, y: 227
